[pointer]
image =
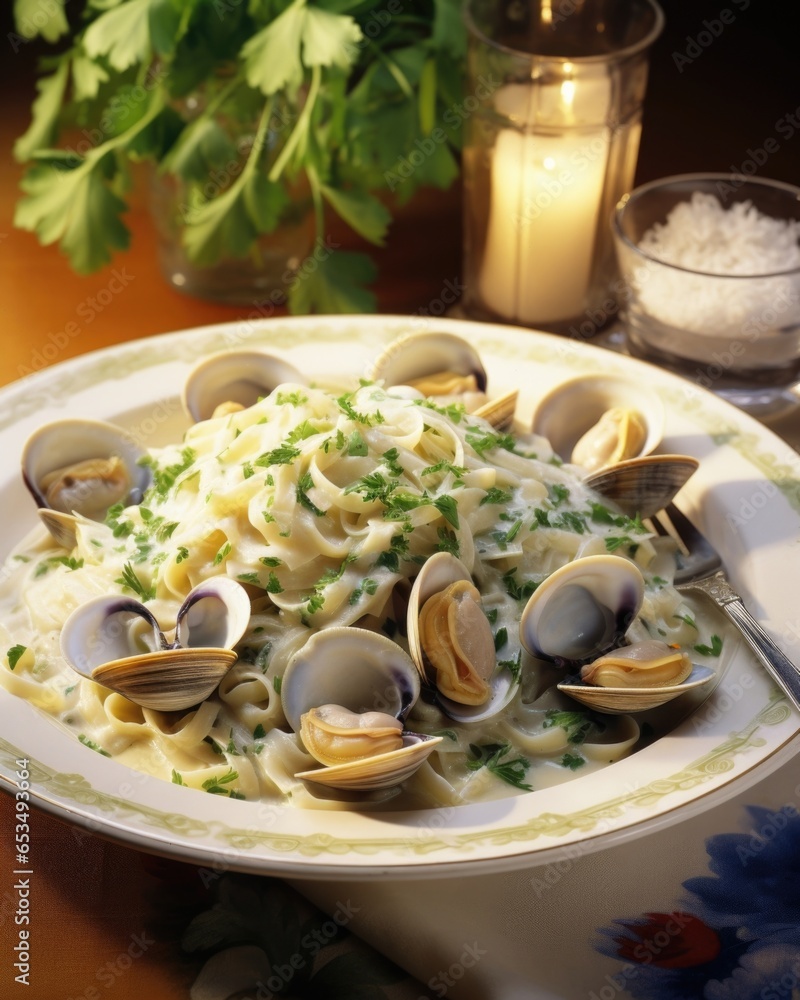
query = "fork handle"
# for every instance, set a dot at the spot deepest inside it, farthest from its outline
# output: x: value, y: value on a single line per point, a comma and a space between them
x: 780, y: 666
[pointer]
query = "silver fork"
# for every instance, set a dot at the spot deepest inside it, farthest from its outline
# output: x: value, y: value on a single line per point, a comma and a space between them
x: 700, y: 569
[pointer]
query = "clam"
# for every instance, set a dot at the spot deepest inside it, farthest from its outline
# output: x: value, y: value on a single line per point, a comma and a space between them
x: 599, y: 420
x: 645, y: 485
x: 637, y: 677
x: 81, y: 467
x: 451, y: 642
x: 117, y: 642
x: 443, y: 365
x: 234, y: 380
x: 347, y: 693
x: 582, y: 610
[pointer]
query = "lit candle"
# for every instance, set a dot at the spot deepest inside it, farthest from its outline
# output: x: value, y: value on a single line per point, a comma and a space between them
x: 547, y: 179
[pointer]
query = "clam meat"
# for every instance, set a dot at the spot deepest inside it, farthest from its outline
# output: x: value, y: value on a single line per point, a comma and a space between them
x: 81, y: 467
x: 452, y: 644
x: 118, y: 643
x: 651, y: 663
x: 620, y: 433
x: 231, y: 381
x: 346, y: 693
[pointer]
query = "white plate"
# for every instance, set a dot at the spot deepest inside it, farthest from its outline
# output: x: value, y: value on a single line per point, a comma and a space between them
x: 746, y: 497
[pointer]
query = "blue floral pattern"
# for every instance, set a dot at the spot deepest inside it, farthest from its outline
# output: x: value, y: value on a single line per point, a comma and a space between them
x: 738, y: 937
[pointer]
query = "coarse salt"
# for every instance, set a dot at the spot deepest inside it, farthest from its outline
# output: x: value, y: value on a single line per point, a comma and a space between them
x: 701, y: 235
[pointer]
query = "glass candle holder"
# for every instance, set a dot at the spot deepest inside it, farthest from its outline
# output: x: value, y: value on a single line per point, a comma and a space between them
x: 549, y: 150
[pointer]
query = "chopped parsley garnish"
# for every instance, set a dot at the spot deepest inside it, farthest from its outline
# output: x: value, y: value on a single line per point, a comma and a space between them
x: 164, y: 479
x: 301, y: 432
x: 491, y: 615
x: 558, y: 493
x: 292, y: 398
x: 253, y: 578
x: 495, y: 495
x: 713, y: 650
x: 501, y: 638
x: 271, y: 561
x: 687, y: 620
x: 248, y: 470
x: 276, y: 684
x: 390, y: 457
x: 373, y: 486
x: 93, y: 746
x: 455, y: 411
x: 448, y: 542
x: 305, y: 483
x: 616, y: 542
x: 274, y: 585
x: 284, y: 454
x: 572, y: 760
x: 444, y: 466
x: 514, y: 667
x: 360, y: 418
x: 216, y: 785
x: 448, y: 508
x: 176, y: 778
x: 223, y: 553
x: 367, y: 586
x: 516, y: 589
x: 130, y: 581
x: 578, y: 725
x: 15, y: 654
x: 660, y: 581
x: 259, y: 732
x: 483, y: 441
x: 503, y: 538
x: 390, y: 558
x: 182, y: 554
x: 356, y: 445
x: 491, y: 757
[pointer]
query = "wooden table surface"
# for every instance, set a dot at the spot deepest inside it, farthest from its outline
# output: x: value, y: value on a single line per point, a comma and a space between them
x: 92, y: 900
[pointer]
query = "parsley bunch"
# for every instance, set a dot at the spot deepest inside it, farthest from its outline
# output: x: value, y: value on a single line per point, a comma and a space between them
x: 342, y: 93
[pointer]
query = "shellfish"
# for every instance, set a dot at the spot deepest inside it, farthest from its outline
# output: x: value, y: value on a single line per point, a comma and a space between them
x: 117, y: 642
x: 451, y: 642
x: 234, y: 380
x: 347, y: 693
x: 81, y: 467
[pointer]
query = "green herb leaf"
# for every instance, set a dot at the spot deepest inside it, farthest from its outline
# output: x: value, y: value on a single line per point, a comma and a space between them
x: 130, y: 581
x: 259, y: 732
x: 93, y: 746
x: 713, y: 650
x: 223, y: 553
x: 500, y: 638
x: 491, y: 756
x: 448, y: 508
x: 176, y: 778
x: 578, y: 725
x: 356, y: 445
x: 337, y: 285
x: 43, y: 127
x: 15, y: 654
x: 495, y: 495
x: 45, y: 18
x: 572, y: 761
x: 687, y: 620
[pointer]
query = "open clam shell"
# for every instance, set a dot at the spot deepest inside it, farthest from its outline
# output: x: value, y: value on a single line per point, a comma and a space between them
x: 81, y: 466
x: 622, y: 700
x: 419, y: 355
x: 582, y: 610
x: 361, y: 671
x: 644, y: 485
x: 117, y: 642
x: 573, y: 408
x: 238, y: 377
x: 382, y: 771
x: 436, y: 576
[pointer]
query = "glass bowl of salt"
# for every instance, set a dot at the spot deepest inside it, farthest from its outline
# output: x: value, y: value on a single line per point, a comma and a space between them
x: 710, y: 267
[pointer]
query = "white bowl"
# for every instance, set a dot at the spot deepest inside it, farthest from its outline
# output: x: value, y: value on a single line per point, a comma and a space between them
x: 733, y: 738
